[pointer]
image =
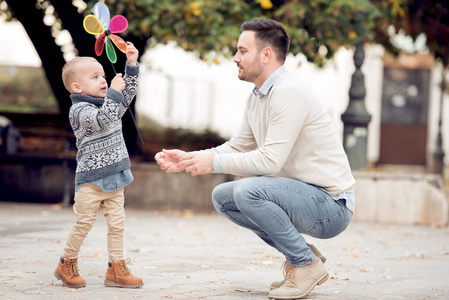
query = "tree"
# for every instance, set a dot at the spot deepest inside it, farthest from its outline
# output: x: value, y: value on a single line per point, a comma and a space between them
x: 318, y: 28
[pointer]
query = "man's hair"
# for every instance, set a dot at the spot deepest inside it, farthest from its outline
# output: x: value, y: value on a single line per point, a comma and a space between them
x: 71, y: 67
x: 269, y: 33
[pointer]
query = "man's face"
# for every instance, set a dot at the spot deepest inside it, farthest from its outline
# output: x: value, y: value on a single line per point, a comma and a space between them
x: 91, y: 80
x: 248, y: 57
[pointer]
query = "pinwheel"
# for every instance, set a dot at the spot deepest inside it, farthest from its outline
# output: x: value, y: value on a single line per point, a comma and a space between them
x: 101, y: 25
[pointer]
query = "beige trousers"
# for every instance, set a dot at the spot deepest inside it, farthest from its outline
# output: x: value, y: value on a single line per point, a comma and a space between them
x: 88, y: 199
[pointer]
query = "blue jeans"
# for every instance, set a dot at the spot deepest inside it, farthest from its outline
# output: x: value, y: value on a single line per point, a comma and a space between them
x: 279, y: 210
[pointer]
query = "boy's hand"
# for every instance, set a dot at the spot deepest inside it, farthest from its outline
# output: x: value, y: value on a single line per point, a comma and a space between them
x: 118, y: 83
x: 132, y: 55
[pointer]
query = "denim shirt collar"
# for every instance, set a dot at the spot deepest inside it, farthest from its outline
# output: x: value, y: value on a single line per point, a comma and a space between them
x: 268, y: 84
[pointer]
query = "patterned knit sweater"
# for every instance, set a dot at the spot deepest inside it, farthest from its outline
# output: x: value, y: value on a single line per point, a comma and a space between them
x: 97, y: 125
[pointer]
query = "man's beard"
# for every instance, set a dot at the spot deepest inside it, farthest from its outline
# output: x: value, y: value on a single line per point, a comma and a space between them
x: 251, y: 72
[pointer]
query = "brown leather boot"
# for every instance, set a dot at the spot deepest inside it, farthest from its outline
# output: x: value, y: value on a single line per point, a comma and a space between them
x: 119, y: 275
x: 67, y: 272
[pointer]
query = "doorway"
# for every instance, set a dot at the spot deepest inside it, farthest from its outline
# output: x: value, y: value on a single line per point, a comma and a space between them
x: 404, y: 112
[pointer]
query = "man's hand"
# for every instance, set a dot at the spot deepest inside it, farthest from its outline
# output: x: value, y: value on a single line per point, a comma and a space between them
x: 118, y: 83
x: 199, y: 163
x: 168, y: 160
x: 132, y: 55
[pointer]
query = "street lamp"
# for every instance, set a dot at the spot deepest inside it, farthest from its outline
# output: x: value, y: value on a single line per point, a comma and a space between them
x: 438, y: 153
x: 356, y: 118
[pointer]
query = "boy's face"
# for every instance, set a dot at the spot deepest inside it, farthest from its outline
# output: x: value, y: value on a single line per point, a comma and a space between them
x: 90, y: 80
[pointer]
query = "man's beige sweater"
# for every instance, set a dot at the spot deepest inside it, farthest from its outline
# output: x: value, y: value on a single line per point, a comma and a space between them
x: 288, y: 133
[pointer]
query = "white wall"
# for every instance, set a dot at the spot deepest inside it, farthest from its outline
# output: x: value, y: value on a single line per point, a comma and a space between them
x: 16, y: 48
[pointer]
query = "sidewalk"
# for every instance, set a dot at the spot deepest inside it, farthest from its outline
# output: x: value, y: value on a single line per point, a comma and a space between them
x: 181, y: 255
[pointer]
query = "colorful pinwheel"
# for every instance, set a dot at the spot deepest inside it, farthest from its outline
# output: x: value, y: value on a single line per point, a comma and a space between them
x: 100, y: 24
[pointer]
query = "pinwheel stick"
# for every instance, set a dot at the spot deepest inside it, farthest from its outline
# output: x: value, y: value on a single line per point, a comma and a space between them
x: 113, y: 68
x: 130, y: 112
x: 135, y: 125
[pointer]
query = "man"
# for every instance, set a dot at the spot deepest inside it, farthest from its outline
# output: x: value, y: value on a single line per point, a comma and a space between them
x: 297, y: 176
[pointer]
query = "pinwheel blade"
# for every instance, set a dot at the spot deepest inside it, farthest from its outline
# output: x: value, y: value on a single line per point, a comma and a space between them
x: 99, y: 44
x: 119, y: 42
x: 110, y: 52
x: 101, y: 11
x: 118, y: 24
x: 92, y: 25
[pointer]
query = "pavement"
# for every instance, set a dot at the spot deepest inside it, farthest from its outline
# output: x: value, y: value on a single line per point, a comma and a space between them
x: 183, y: 255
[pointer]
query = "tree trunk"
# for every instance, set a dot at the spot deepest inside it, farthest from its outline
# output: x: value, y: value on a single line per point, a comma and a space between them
x: 49, y: 52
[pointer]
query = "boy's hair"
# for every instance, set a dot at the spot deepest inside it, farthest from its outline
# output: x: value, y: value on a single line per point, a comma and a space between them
x: 70, y: 69
x: 269, y: 33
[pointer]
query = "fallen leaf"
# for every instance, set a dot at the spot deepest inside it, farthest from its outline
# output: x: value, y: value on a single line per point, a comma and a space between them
x: 188, y: 214
x: 344, y: 271
x: 363, y: 270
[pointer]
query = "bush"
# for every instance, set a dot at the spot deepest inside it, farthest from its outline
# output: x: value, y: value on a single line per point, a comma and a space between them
x: 25, y: 90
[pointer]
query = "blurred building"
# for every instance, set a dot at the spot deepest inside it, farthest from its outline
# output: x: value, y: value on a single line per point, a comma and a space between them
x: 179, y: 90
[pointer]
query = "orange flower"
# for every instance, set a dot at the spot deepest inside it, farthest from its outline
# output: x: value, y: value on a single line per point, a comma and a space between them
x: 266, y: 4
x: 196, y: 9
x: 352, y: 35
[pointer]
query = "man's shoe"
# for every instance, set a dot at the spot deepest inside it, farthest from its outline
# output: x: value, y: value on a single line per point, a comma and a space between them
x: 286, y: 264
x: 317, y: 253
x: 67, y: 272
x: 119, y: 275
x: 277, y: 284
x: 299, y: 281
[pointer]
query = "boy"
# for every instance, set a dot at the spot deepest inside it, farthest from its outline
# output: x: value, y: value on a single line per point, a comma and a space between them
x: 103, y: 165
